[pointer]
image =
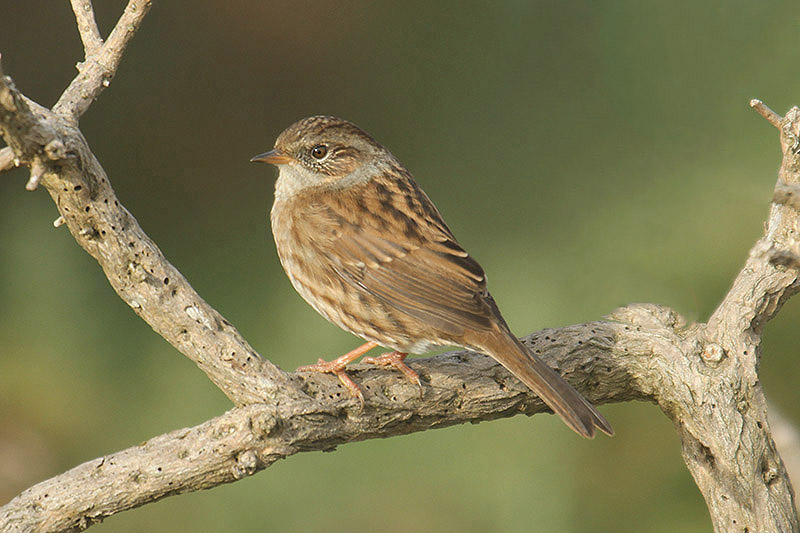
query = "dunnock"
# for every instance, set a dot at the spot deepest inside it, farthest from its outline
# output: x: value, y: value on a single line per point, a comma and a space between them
x: 365, y: 246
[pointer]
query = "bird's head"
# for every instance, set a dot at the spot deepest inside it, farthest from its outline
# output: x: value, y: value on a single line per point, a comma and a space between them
x: 324, y: 151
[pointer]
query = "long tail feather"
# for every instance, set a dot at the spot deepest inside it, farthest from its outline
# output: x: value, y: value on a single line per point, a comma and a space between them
x: 566, y: 402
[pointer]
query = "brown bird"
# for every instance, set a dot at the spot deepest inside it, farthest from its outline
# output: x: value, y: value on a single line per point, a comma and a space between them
x: 365, y: 246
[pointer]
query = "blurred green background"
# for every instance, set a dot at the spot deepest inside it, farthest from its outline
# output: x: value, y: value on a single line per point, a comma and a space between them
x: 588, y: 154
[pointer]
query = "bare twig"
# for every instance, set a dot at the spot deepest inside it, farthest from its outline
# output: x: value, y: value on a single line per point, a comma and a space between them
x: 37, y: 171
x: 101, y: 63
x: 766, y: 112
x: 87, y: 26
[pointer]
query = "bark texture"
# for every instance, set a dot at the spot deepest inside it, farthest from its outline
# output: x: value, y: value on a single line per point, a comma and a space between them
x: 704, y: 376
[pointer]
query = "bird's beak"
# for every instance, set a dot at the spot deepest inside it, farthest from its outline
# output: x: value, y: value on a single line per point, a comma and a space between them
x: 274, y: 157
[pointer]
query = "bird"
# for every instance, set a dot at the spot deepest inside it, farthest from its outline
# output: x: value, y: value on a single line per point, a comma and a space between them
x: 364, y: 246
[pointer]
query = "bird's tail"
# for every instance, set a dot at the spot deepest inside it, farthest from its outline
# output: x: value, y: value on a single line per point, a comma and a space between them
x: 566, y: 402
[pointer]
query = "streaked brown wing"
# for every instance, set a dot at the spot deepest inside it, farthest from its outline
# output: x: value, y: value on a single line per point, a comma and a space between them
x: 400, y: 251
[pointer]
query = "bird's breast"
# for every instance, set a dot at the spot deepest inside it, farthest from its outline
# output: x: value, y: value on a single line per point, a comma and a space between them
x: 302, y: 234
x: 305, y: 233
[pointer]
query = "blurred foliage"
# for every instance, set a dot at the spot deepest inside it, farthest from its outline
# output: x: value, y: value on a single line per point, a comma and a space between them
x: 589, y: 154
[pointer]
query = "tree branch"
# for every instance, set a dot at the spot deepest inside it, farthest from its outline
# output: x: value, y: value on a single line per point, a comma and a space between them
x: 60, y: 158
x: 703, y: 376
x: 726, y: 438
x: 102, y: 60
x: 87, y: 26
x: 771, y: 116
x: 459, y: 387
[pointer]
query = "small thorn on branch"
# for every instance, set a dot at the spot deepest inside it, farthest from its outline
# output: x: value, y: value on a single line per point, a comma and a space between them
x: 771, y: 116
x: 37, y: 171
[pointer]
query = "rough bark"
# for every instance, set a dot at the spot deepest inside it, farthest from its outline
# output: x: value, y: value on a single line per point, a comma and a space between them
x: 704, y: 376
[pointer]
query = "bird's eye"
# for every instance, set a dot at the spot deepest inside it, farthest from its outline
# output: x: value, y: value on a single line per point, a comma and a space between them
x: 319, y: 151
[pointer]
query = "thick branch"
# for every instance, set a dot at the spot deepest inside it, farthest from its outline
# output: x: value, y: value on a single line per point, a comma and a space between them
x: 728, y: 447
x: 648, y: 352
x: 458, y: 387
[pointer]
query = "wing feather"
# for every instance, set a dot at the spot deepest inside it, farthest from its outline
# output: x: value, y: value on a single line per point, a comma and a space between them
x: 416, y: 267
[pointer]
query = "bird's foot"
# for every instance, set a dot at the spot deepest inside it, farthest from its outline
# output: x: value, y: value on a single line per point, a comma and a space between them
x: 337, y: 368
x: 397, y: 361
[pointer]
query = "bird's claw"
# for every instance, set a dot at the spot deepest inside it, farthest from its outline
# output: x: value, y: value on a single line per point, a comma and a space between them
x: 397, y: 361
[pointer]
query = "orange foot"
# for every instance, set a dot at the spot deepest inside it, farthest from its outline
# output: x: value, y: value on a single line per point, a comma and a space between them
x: 337, y: 368
x: 397, y: 361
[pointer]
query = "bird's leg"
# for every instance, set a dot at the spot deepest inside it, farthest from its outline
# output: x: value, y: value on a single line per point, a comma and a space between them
x: 337, y: 368
x: 397, y: 361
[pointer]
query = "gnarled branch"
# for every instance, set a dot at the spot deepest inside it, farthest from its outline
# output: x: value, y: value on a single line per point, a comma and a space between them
x: 702, y: 375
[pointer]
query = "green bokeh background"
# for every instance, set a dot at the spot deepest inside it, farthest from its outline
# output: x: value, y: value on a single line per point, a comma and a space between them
x: 588, y: 154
